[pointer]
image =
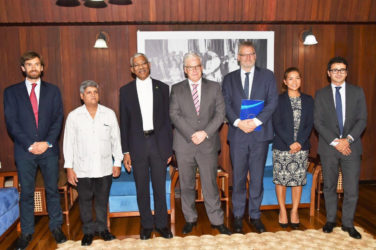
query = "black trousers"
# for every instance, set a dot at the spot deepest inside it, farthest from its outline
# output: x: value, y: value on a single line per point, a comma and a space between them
x: 97, y: 189
x: 151, y: 165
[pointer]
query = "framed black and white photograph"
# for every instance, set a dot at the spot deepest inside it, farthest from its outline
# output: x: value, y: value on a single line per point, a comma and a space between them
x: 218, y: 49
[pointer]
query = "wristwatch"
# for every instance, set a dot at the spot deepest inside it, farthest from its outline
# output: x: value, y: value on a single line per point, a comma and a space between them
x: 349, y: 139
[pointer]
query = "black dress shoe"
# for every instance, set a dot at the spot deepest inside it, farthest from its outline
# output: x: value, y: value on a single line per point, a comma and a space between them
x: 106, y: 235
x: 295, y: 225
x: 165, y: 232
x: 257, y: 223
x: 188, y: 227
x: 59, y: 235
x: 222, y: 229
x: 352, y: 232
x: 238, y: 225
x: 23, y: 241
x: 145, y: 233
x: 328, y: 227
x: 283, y: 225
x: 87, y: 240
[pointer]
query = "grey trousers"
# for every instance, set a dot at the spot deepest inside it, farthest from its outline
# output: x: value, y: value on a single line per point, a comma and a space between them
x: 207, y: 165
x: 350, y: 166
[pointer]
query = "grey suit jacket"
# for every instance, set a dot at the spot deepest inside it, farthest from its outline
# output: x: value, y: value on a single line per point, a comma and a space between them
x: 326, y: 122
x: 186, y: 122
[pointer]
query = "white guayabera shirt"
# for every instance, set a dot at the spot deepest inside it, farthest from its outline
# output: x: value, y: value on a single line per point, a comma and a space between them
x: 89, y: 144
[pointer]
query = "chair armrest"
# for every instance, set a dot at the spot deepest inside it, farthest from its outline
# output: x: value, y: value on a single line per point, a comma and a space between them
x: 4, y: 175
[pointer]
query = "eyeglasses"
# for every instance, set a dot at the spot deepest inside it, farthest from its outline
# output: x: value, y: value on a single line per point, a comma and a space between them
x: 336, y: 71
x: 246, y: 55
x: 139, y: 65
x: 191, y: 68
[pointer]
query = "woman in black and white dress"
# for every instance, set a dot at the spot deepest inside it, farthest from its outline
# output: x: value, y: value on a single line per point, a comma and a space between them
x: 292, y: 122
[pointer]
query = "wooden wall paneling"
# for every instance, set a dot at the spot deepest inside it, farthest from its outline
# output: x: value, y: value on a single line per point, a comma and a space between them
x: 71, y: 58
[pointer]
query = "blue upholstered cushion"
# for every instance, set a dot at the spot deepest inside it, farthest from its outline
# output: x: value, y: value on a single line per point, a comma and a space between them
x: 123, y: 192
x: 9, y: 208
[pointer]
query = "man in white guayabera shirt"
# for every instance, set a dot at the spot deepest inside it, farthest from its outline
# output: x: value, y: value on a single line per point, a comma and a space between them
x: 91, y: 139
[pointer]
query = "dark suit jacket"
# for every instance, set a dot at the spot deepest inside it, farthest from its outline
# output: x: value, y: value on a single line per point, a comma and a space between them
x: 132, y: 137
x: 21, y: 123
x: 326, y: 122
x: 283, y: 123
x: 184, y: 117
x: 263, y: 88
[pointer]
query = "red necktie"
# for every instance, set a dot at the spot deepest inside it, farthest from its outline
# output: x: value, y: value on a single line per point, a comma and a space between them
x: 34, y: 102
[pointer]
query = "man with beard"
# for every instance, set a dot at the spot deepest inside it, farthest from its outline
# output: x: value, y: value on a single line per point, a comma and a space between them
x: 146, y: 138
x: 34, y: 113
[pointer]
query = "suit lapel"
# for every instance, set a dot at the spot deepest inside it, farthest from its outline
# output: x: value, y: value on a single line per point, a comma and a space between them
x: 254, y: 83
x: 348, y: 104
x: 137, y: 102
x: 330, y: 105
x: 187, y: 96
x: 155, y: 88
x: 204, y: 95
x: 238, y: 84
x: 24, y: 95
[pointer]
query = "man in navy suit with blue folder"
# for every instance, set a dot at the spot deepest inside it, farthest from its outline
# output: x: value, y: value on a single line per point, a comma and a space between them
x: 248, y: 148
x: 34, y: 113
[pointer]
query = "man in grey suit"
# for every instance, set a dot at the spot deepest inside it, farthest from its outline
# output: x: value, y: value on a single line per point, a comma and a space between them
x: 197, y: 110
x: 340, y: 117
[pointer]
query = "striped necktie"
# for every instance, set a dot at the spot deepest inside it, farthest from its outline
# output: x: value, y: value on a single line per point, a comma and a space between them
x: 196, y: 99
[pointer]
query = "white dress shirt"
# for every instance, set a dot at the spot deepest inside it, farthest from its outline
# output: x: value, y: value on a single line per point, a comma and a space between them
x: 90, y: 143
x: 250, y: 77
x: 198, y: 87
x: 36, y: 90
x: 145, y: 98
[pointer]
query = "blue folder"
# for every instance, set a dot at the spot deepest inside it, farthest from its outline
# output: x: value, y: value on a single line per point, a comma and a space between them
x: 250, y: 109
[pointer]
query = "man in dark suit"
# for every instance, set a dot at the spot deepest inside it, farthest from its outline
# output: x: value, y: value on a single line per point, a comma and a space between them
x: 34, y: 113
x: 248, y: 148
x: 146, y: 138
x: 340, y: 117
x: 197, y: 110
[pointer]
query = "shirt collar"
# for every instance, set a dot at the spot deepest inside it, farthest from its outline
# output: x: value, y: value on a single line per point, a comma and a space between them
x: 342, y: 85
x: 147, y: 79
x: 191, y: 82
x: 243, y: 71
x: 29, y: 82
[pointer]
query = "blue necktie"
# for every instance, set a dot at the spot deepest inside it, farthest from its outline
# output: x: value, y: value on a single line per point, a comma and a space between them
x: 339, y: 110
x: 246, y: 84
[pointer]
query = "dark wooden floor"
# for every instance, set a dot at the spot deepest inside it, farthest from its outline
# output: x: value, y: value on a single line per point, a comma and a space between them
x: 128, y: 227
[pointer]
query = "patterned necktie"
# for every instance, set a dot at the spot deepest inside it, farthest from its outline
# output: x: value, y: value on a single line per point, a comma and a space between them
x: 246, y: 84
x: 34, y: 102
x: 339, y: 110
x: 196, y: 99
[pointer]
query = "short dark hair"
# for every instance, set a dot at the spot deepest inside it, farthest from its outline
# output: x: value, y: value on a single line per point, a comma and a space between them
x: 337, y: 59
x: 30, y: 55
x: 287, y: 71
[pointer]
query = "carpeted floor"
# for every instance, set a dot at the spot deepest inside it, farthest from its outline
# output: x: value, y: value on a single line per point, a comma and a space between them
x: 309, y: 239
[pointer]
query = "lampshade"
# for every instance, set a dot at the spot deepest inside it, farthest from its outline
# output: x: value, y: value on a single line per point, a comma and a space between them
x: 309, y: 38
x: 95, y: 3
x: 101, y: 42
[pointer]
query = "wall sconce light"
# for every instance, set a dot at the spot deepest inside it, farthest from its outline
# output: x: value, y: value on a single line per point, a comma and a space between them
x: 309, y: 38
x: 102, y: 40
x: 68, y: 3
x: 95, y: 4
